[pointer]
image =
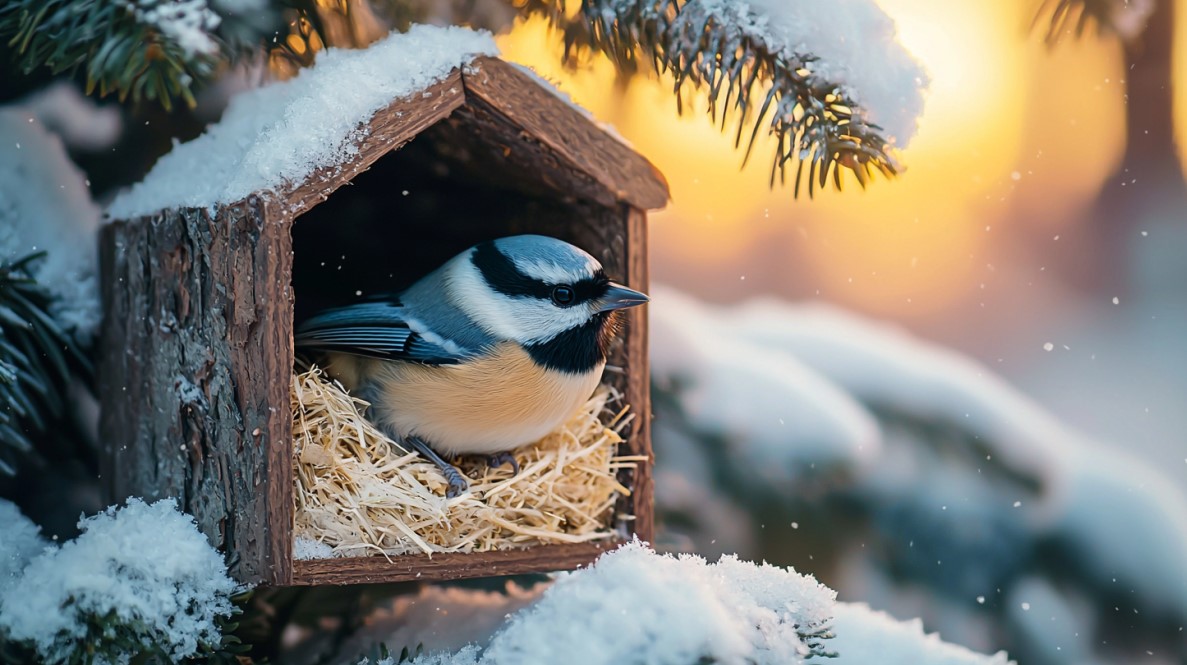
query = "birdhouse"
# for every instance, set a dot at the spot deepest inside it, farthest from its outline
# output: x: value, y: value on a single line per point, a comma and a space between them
x: 359, y: 176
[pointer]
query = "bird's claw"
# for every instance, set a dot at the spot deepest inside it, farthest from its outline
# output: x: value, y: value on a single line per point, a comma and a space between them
x: 458, y: 485
x: 499, y: 459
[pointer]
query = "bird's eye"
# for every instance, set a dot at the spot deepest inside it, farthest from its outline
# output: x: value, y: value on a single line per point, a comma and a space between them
x: 563, y: 295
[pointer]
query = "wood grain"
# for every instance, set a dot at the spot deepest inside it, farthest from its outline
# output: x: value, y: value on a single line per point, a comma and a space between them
x: 194, y: 369
x: 638, y: 390
x: 421, y: 567
x: 567, y: 132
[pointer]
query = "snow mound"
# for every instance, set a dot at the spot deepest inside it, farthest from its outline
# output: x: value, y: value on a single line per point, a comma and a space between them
x: 866, y: 636
x: 45, y: 205
x: 634, y: 605
x: 146, y: 565
x: 20, y: 541
x: 283, y: 132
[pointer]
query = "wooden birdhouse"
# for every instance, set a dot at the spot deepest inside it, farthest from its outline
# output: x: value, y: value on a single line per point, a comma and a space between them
x: 360, y: 176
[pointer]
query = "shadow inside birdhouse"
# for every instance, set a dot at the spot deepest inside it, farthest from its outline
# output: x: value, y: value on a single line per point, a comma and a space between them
x: 356, y: 494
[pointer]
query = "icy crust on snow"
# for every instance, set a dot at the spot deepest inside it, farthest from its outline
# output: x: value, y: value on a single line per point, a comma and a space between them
x: 866, y: 636
x: 857, y: 47
x: 146, y: 563
x: 45, y: 205
x: 283, y: 132
x: 20, y: 541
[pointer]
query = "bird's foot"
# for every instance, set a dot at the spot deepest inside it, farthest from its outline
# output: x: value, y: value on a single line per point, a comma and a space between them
x: 499, y: 459
x: 457, y: 483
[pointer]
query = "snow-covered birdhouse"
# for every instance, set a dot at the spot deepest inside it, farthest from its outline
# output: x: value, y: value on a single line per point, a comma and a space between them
x: 357, y: 177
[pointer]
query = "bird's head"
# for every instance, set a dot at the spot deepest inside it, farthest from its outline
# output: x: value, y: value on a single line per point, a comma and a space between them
x: 535, y: 290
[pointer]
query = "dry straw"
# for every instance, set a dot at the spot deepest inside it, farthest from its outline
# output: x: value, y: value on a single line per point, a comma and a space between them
x: 360, y: 494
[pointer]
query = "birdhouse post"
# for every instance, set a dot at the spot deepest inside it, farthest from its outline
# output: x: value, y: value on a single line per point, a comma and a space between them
x: 202, y: 283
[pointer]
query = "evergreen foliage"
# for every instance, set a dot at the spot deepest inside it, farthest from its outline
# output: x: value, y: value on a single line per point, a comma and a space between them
x: 37, y: 362
x: 813, y: 122
x: 810, y: 117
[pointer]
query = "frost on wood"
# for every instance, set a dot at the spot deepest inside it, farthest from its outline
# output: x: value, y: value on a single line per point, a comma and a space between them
x: 144, y: 569
x: 45, y: 205
x: 281, y: 133
x: 20, y: 541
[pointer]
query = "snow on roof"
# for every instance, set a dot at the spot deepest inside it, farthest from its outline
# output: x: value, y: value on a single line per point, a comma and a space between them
x: 856, y: 46
x: 283, y: 132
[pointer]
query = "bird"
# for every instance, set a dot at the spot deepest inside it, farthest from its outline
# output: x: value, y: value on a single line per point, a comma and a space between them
x: 493, y: 350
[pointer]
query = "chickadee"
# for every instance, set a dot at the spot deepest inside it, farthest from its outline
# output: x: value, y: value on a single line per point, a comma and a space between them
x: 491, y: 351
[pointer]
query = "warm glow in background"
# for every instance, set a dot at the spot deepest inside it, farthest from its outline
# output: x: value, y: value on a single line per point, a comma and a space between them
x: 1003, y: 137
x: 1013, y: 147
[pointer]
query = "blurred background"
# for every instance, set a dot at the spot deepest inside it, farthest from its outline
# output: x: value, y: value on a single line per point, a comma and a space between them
x: 1042, y: 203
x: 1038, y: 231
x: 958, y: 395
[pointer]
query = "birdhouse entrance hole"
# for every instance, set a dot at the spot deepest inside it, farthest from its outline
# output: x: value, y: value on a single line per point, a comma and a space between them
x: 414, y: 208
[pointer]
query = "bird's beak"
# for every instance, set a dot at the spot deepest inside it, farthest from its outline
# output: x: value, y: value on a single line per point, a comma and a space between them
x: 620, y: 297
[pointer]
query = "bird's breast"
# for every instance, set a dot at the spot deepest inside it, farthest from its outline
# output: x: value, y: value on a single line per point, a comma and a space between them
x: 497, y: 402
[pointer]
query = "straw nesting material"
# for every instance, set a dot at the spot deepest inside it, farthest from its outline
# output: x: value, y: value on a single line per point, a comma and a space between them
x: 359, y: 493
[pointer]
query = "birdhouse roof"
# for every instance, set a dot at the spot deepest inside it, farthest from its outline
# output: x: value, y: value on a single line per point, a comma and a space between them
x: 301, y: 139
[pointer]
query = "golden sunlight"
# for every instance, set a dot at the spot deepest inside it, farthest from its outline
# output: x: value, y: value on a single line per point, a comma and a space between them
x: 1011, y: 133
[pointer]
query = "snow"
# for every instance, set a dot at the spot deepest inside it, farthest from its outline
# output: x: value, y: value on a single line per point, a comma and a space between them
x: 20, y: 541
x: 81, y: 123
x: 1126, y: 522
x: 283, y: 132
x: 866, y: 636
x: 779, y: 417
x: 634, y: 605
x: 970, y: 490
x: 45, y: 205
x: 305, y: 549
x: 856, y: 46
x: 888, y: 369
x: 146, y: 563
x: 187, y: 23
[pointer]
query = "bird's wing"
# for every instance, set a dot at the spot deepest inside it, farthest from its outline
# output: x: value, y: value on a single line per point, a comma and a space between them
x: 374, y: 329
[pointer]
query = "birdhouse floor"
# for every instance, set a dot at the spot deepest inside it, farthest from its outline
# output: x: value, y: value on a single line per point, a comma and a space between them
x: 358, y: 494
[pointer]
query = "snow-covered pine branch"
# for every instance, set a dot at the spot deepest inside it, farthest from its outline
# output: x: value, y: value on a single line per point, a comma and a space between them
x: 828, y: 81
x: 139, y: 580
x: 153, y: 49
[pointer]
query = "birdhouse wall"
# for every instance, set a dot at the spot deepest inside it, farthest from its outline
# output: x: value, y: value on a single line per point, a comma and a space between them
x: 196, y: 355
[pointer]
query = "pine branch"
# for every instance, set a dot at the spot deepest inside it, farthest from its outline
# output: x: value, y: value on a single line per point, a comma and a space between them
x: 37, y: 361
x: 1123, y: 18
x: 813, y: 121
x: 137, y: 49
